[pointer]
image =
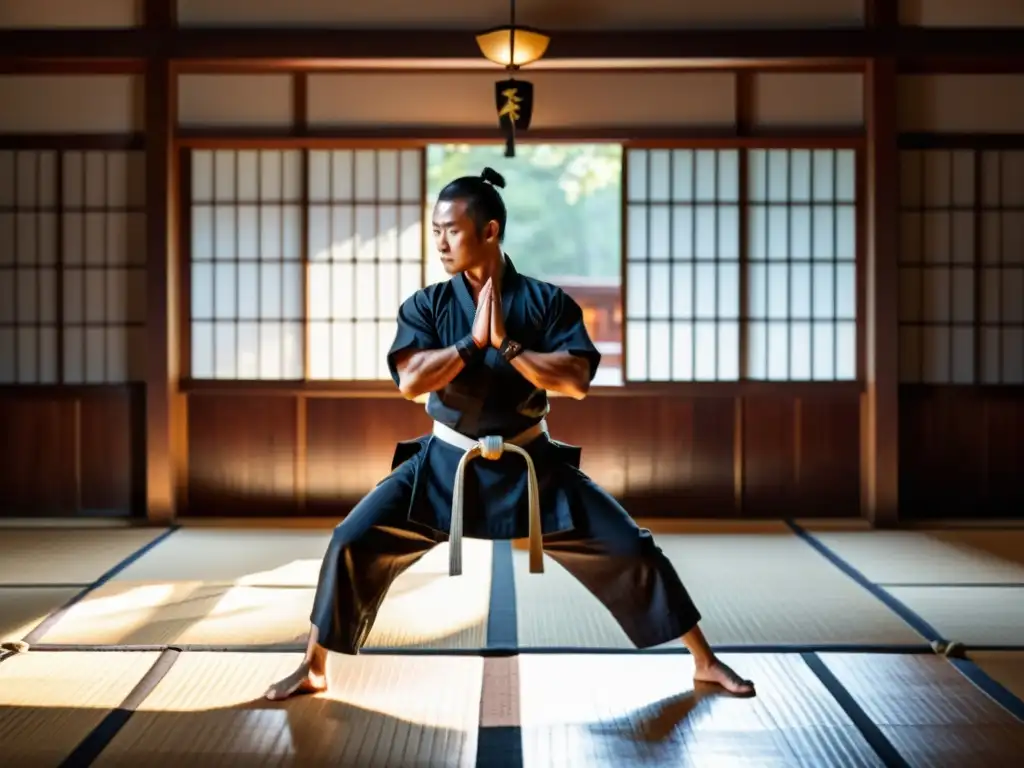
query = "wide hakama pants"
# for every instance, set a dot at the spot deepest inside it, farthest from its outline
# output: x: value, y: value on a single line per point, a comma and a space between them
x: 606, y: 551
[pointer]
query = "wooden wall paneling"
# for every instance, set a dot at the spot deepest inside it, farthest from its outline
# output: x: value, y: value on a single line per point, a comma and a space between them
x: 828, y: 456
x: 70, y: 450
x: 39, y: 473
x: 1003, y: 451
x: 961, y: 452
x: 111, y: 446
x: 769, y: 456
x: 662, y: 455
x: 941, y: 467
x: 242, y: 451
x: 350, y: 445
x: 801, y: 456
x: 713, y: 491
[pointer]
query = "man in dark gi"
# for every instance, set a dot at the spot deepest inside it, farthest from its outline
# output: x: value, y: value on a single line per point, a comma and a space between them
x: 488, y: 345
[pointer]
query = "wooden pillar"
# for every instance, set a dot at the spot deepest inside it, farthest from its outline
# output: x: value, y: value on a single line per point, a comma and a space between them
x: 880, y: 403
x: 161, y: 346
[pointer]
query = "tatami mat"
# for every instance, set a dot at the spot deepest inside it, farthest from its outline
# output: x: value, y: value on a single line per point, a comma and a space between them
x: 49, y: 702
x: 970, y: 615
x: 759, y: 586
x: 425, y: 608
x: 932, y: 714
x: 23, y: 608
x: 1005, y: 667
x: 613, y: 711
x: 262, y: 558
x: 381, y: 710
x: 184, y: 612
x: 67, y: 556
x: 930, y: 557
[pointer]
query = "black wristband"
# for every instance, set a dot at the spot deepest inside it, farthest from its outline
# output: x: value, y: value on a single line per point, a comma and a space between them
x: 467, y: 349
x: 510, y: 349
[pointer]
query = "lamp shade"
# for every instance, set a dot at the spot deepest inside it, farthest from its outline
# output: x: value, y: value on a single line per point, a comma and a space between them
x: 495, y: 45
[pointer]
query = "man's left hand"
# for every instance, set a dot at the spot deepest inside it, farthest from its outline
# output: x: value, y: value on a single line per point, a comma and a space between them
x: 497, y: 317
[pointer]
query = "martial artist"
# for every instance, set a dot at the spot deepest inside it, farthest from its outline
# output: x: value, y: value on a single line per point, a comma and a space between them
x: 488, y: 344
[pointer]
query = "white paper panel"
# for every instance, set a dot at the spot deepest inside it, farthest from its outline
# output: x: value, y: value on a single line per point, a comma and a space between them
x: 958, y: 13
x: 562, y: 99
x: 263, y: 101
x: 71, y: 103
x: 966, y: 103
x: 70, y: 13
x: 816, y: 100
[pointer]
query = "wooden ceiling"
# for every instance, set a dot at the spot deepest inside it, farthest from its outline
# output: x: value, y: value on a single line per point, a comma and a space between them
x: 916, y: 49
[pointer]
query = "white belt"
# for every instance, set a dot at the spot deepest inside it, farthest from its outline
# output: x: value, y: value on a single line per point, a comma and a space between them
x: 491, y: 447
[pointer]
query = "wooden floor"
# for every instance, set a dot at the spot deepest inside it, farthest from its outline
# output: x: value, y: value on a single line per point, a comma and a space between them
x: 153, y: 647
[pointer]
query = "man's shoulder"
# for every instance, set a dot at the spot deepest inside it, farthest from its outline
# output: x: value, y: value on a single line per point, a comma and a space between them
x: 542, y: 288
x: 429, y: 295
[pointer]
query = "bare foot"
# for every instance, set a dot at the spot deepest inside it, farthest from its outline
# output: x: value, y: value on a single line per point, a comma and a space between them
x: 301, y: 681
x: 720, y: 674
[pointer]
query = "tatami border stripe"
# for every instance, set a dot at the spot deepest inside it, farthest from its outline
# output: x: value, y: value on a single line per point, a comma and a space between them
x: 47, y: 624
x: 104, y: 733
x: 1001, y: 695
x: 922, y: 627
x: 975, y: 674
x: 946, y: 585
x: 502, y: 619
x: 500, y: 732
x: 499, y: 652
x: 884, y: 748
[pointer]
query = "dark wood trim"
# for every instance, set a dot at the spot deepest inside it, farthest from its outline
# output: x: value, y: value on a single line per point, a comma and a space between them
x: 863, y: 195
x: 63, y: 391
x: 287, y: 47
x: 639, y: 137
x: 745, y: 91
x: 972, y: 141
x: 301, y: 453
x: 73, y: 141
x: 161, y: 192
x: 386, y: 389
x: 1009, y: 63
x: 880, y: 254
x: 479, y: 65
x: 71, y: 66
x: 300, y: 101
x: 184, y: 265
x: 987, y: 392
x: 738, y: 455
x: 978, y: 264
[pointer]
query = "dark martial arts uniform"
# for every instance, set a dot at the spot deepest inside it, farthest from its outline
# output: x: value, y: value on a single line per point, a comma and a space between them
x: 409, y: 512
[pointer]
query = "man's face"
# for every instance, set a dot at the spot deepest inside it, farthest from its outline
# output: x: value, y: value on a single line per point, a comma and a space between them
x: 460, y: 245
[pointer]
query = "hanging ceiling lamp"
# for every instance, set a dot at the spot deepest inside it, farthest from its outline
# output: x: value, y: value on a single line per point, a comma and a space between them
x: 512, y: 47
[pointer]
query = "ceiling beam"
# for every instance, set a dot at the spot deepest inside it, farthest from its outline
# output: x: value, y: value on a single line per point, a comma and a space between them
x: 297, y: 48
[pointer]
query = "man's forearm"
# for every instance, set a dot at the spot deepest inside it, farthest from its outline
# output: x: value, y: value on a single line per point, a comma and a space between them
x: 429, y: 370
x: 560, y: 372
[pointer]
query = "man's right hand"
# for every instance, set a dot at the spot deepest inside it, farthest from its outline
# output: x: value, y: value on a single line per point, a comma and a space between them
x: 482, y: 322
